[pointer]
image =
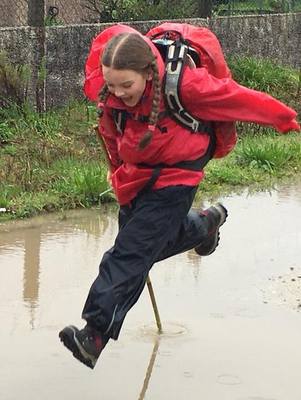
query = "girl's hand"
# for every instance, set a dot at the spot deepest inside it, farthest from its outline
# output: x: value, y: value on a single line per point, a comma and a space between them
x: 109, y: 177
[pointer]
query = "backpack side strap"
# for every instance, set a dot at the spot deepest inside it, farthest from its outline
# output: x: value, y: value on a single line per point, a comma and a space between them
x: 194, y: 165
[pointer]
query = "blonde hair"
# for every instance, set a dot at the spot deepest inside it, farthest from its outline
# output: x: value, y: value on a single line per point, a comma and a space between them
x: 131, y: 51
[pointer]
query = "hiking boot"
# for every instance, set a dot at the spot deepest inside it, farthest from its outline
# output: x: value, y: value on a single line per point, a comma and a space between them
x: 85, y: 344
x: 216, y: 216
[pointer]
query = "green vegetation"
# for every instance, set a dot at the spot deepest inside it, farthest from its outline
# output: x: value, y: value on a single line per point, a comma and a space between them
x: 14, y: 81
x: 267, y: 76
x: 141, y: 10
x: 49, y: 161
x: 258, y: 161
x: 54, y: 161
x: 239, y: 7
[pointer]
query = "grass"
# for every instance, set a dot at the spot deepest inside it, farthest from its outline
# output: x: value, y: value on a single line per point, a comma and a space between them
x: 269, y: 153
x: 254, y: 7
x: 53, y: 161
x: 258, y: 161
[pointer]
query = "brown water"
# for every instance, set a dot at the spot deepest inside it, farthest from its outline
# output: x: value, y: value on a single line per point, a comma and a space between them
x: 231, y: 321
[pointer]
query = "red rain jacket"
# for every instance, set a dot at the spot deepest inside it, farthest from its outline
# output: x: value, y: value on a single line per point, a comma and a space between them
x: 205, y: 96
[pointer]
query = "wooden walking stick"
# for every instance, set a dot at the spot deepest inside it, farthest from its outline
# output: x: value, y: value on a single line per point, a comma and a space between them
x: 148, y: 280
x: 154, y: 303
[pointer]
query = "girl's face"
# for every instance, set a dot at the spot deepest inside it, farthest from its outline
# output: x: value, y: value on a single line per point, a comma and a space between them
x: 126, y: 84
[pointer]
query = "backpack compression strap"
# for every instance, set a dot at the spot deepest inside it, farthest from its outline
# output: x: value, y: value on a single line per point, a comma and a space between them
x: 121, y: 116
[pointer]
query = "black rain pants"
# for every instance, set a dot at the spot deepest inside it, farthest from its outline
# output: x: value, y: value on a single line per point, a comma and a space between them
x: 157, y: 225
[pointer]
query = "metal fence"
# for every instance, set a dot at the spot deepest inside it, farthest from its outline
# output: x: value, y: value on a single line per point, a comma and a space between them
x: 64, y: 12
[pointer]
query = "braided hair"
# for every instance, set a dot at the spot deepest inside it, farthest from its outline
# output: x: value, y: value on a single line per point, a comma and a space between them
x: 131, y: 51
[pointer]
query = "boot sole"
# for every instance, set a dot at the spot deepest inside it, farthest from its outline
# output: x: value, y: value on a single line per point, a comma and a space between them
x: 69, y: 340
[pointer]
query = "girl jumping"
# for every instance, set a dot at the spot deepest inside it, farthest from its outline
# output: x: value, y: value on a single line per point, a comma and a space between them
x: 156, y: 166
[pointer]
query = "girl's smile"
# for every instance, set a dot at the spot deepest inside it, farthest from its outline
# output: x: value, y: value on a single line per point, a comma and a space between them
x: 126, y: 84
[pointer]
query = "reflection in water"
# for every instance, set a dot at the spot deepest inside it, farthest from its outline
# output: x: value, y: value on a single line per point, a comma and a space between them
x: 32, y: 242
x: 31, y: 234
x: 149, y: 368
x: 195, y: 264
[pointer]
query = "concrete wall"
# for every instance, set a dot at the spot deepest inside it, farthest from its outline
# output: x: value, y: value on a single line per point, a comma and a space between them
x: 13, y: 13
x: 26, y: 45
x: 277, y: 37
x: 66, y: 47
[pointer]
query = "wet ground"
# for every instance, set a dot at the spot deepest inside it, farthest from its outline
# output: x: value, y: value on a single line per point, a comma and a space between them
x: 231, y: 321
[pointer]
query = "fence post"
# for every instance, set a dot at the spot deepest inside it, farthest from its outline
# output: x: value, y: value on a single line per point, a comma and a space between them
x: 36, y: 19
x: 36, y: 12
x: 205, y: 8
x: 260, y: 6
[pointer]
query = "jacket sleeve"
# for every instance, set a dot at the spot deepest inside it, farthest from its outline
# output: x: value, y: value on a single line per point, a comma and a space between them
x: 225, y: 100
x: 108, y: 132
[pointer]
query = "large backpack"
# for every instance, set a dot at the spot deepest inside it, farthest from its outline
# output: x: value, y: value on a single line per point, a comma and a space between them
x: 178, y: 44
x: 199, y: 47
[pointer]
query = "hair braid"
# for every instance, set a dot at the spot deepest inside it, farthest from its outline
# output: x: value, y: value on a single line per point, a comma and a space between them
x: 102, y: 97
x: 154, y: 114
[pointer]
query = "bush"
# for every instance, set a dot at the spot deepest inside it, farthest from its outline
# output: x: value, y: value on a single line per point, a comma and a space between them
x: 134, y: 10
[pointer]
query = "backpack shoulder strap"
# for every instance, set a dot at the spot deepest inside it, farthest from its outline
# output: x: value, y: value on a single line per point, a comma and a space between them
x: 176, y: 52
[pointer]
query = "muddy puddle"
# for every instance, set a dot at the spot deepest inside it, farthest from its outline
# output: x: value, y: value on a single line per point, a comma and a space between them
x: 231, y: 321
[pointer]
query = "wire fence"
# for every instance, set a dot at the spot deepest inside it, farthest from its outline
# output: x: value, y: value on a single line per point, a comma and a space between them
x: 65, y: 12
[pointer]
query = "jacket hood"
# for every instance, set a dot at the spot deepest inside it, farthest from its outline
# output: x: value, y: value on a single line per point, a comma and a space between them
x: 93, y: 72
